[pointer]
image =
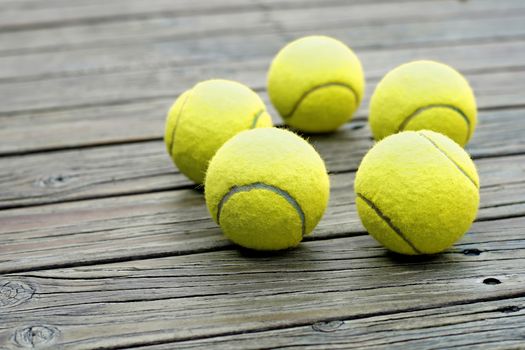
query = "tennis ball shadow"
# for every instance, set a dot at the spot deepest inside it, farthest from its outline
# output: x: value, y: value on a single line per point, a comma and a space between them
x: 348, y: 127
x: 414, y: 259
x: 261, y: 254
x: 198, y: 189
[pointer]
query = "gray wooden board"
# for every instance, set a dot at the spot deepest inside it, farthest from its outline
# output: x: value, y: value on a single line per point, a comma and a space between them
x: 177, y: 222
x: 143, y: 119
x: 26, y: 15
x: 23, y: 15
x: 145, y: 167
x: 492, y: 324
x: 231, y: 292
x: 125, y: 76
x: 364, y: 23
x: 187, y: 53
x: 107, y: 246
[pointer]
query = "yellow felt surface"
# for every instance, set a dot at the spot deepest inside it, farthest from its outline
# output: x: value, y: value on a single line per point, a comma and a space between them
x: 382, y: 231
x: 430, y: 193
x: 442, y: 120
x: 299, y: 74
x: 274, y: 157
x: 405, y: 90
x: 273, y: 223
x: 205, y: 117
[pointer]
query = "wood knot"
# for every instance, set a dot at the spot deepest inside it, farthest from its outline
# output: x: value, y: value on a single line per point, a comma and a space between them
x: 328, y: 326
x: 54, y: 181
x: 38, y: 336
x: 13, y: 293
x: 509, y: 309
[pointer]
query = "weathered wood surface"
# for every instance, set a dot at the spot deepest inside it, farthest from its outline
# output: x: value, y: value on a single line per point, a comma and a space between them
x: 143, y: 119
x: 145, y: 167
x: 177, y: 222
x: 104, y: 245
x: 126, y: 86
x: 493, y: 325
x: 230, y: 292
x: 28, y: 15
x: 159, y: 49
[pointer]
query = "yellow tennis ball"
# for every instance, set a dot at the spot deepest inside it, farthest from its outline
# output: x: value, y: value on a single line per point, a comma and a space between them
x: 417, y: 192
x: 424, y: 95
x: 267, y: 188
x: 316, y: 83
x: 205, y: 117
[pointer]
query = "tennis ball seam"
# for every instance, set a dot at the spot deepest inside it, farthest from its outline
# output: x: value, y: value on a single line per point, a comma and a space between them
x: 177, y: 121
x: 263, y: 186
x: 422, y: 109
x: 256, y: 118
x: 388, y: 221
x: 442, y: 151
x: 318, y: 87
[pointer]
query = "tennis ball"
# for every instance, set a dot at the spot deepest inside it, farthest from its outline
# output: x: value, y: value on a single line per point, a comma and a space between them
x: 423, y: 95
x: 266, y: 188
x: 316, y: 83
x: 205, y: 117
x: 417, y: 192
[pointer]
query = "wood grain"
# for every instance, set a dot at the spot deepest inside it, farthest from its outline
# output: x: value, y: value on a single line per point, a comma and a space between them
x: 262, y: 19
x: 104, y: 245
x: 177, y: 222
x: 95, y: 123
x: 145, y: 167
x: 231, y: 292
x: 192, y: 53
x: 492, y: 324
x: 29, y: 15
x: 138, y: 81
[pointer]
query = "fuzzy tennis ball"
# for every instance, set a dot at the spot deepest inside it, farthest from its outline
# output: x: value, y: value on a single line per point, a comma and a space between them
x: 423, y: 95
x: 316, y: 83
x: 266, y: 188
x: 417, y: 192
x: 205, y: 117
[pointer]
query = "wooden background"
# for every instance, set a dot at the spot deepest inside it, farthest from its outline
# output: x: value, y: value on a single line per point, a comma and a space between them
x: 105, y: 245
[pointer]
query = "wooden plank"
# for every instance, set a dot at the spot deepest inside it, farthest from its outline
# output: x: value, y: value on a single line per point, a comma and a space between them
x: 144, y: 32
x: 177, y: 222
x: 144, y: 119
x: 480, y: 325
x: 166, y: 52
x: 133, y: 258
x: 232, y: 292
x: 145, y: 167
x: 128, y: 86
x: 26, y: 15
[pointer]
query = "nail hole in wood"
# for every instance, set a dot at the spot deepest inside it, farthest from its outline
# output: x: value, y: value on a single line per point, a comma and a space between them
x: 329, y: 326
x: 472, y: 252
x: 491, y: 281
